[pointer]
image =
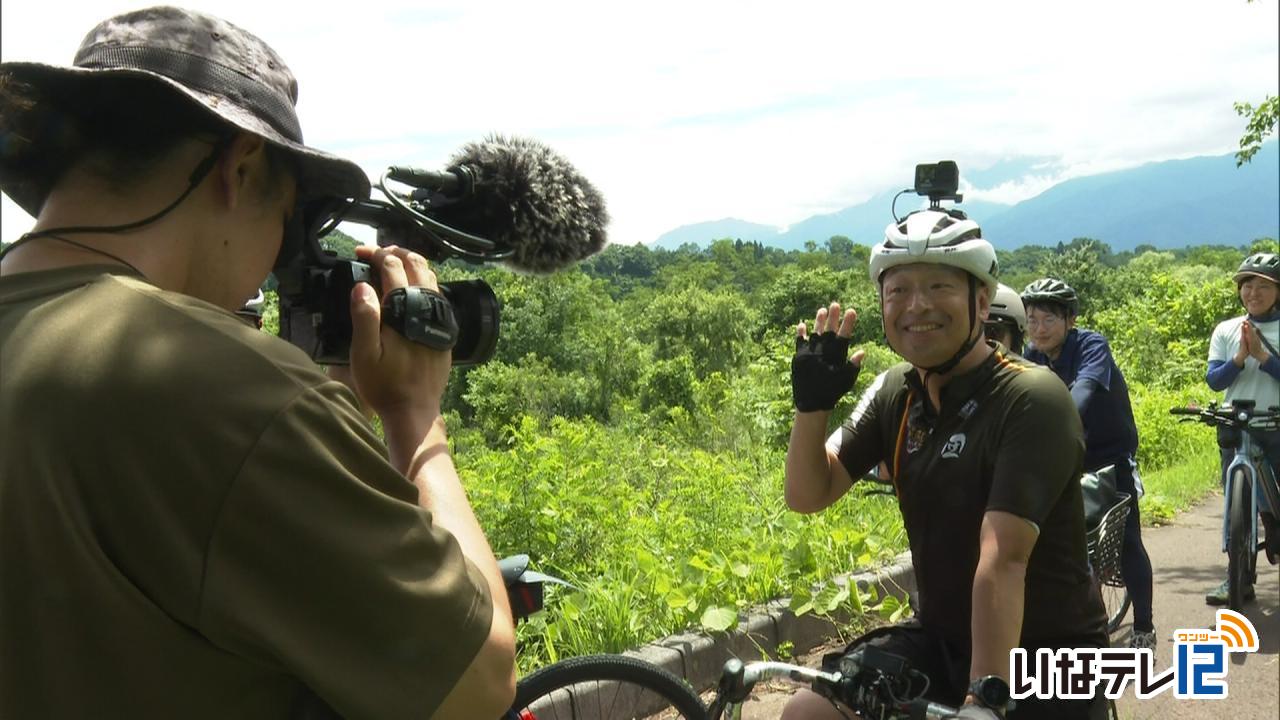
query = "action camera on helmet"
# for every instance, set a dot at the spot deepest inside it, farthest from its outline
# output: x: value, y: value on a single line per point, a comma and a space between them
x: 938, y: 181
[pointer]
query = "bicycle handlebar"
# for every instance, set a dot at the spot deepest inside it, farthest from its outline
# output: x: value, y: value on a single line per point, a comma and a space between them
x: 1234, y: 416
x: 867, y: 689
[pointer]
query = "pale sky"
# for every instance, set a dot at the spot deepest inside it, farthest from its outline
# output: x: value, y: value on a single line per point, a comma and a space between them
x: 682, y: 112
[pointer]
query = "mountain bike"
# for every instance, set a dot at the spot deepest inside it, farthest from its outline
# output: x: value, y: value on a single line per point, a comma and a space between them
x: 593, y: 687
x: 872, y: 682
x: 1251, y: 496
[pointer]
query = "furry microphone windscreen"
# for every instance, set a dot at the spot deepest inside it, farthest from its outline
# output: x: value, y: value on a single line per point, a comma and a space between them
x: 530, y: 200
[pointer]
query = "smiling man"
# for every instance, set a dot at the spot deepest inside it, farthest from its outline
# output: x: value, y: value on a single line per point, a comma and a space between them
x: 984, y: 450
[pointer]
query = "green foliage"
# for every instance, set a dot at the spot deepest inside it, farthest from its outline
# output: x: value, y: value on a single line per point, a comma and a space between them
x: 270, y: 312
x: 1080, y: 265
x: 657, y: 536
x: 1160, y: 334
x: 529, y: 388
x: 711, y: 327
x: 1163, y: 440
x: 341, y: 243
x: 1261, y: 122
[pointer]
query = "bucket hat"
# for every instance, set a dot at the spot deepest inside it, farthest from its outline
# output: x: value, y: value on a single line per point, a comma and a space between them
x: 223, y: 68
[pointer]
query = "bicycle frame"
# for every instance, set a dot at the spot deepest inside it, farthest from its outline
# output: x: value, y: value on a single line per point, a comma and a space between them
x: 1249, y: 457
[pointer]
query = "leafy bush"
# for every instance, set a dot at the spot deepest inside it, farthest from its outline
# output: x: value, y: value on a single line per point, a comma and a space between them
x: 657, y: 537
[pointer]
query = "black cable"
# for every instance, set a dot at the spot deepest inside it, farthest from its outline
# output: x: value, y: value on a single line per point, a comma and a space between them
x: 444, y: 234
x: 893, y: 207
x: 83, y: 246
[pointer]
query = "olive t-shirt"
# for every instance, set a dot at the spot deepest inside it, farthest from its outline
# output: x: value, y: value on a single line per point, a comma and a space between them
x: 1006, y: 438
x: 196, y: 523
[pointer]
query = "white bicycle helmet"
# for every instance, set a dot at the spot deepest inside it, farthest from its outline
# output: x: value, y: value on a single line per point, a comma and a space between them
x: 251, y: 312
x: 935, y: 236
x: 1007, y: 305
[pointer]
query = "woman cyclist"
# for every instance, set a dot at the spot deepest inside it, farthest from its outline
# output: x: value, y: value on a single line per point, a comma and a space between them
x: 1243, y: 361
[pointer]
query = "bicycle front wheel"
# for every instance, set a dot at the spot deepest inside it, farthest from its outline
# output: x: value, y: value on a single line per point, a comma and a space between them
x: 605, y: 687
x: 1241, y: 551
x: 1116, y: 600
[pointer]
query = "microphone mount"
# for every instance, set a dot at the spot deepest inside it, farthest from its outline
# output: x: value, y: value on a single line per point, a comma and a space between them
x: 402, y: 219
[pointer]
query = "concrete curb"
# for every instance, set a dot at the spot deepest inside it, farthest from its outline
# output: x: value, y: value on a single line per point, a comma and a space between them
x: 699, y: 658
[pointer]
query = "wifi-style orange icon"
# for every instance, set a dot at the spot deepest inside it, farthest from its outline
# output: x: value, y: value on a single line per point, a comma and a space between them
x: 1237, y: 632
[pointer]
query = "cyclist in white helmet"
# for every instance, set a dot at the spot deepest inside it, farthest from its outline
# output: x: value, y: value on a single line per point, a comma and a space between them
x: 1007, y: 320
x: 984, y: 451
x: 1244, y: 364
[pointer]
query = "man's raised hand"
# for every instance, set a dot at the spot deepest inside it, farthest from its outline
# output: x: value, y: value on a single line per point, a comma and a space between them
x: 821, y: 371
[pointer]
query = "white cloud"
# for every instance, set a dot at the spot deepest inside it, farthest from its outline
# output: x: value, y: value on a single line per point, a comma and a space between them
x: 682, y: 111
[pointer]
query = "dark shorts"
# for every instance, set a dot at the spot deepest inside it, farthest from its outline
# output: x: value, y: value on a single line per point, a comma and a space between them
x: 946, y: 663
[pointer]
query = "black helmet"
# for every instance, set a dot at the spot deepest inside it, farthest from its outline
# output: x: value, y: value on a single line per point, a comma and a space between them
x: 1264, y: 265
x: 1048, y: 291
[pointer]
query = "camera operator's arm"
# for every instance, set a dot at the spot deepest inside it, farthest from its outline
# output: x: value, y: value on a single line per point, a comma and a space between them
x: 342, y: 373
x: 820, y: 375
x: 403, y: 383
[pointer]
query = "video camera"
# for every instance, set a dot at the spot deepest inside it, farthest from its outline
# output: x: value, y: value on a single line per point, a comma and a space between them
x: 509, y: 200
x: 315, y: 285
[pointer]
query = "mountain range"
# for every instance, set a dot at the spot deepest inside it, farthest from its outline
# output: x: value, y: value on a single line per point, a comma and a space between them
x: 1169, y: 204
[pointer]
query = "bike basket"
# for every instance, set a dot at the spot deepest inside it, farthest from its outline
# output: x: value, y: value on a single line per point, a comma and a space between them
x: 1106, y: 541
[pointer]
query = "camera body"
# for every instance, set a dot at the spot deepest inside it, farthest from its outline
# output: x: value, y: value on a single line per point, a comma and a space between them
x: 315, y: 285
x: 938, y: 181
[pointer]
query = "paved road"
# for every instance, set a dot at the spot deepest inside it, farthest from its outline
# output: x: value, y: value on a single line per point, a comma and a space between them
x: 1187, y: 562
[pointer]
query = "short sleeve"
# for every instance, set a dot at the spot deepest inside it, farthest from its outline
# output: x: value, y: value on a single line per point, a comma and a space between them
x: 1221, y: 346
x: 1040, y: 450
x: 858, y: 443
x: 321, y: 563
x: 1095, y: 360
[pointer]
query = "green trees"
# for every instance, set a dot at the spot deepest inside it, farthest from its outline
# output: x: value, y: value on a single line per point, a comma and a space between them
x: 1261, y: 123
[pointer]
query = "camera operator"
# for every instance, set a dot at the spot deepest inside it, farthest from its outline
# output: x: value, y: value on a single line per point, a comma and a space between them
x: 197, y: 522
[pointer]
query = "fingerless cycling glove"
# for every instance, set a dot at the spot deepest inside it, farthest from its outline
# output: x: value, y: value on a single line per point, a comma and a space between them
x: 821, y: 372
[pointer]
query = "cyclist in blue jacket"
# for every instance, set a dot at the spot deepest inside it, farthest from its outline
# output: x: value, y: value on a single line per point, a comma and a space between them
x: 1244, y: 362
x: 1083, y: 360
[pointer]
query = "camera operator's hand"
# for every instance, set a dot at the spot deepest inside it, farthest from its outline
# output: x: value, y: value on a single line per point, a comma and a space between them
x: 394, y: 377
x: 821, y: 371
